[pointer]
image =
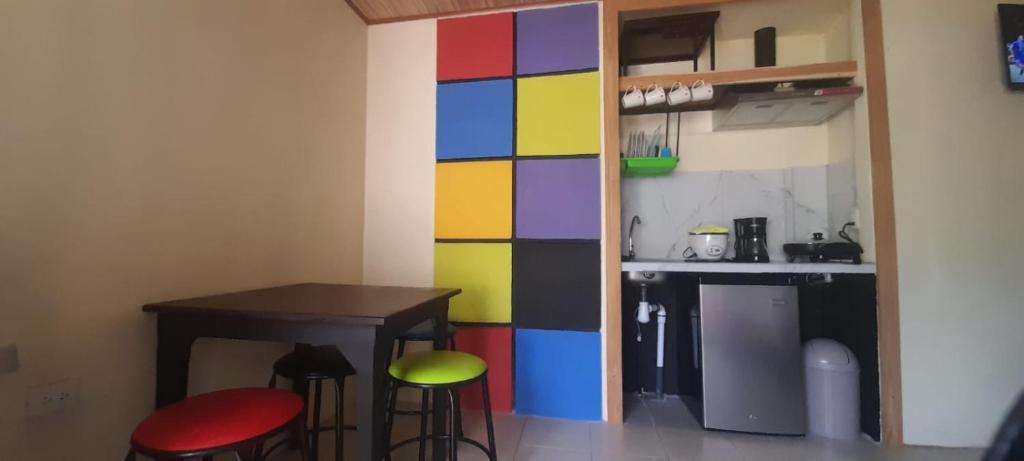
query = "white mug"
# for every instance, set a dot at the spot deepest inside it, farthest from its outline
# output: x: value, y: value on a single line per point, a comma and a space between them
x: 679, y: 94
x: 701, y: 91
x: 633, y: 98
x: 655, y: 94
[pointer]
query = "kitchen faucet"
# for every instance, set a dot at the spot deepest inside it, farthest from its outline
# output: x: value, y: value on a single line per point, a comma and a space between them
x: 632, y: 224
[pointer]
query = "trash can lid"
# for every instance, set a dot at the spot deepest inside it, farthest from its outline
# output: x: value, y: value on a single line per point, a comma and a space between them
x: 829, y: 354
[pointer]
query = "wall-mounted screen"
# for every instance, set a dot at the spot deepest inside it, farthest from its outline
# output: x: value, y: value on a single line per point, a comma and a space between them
x: 1011, y: 18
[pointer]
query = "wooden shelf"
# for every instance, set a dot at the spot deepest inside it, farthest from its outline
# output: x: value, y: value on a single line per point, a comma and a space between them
x: 823, y: 71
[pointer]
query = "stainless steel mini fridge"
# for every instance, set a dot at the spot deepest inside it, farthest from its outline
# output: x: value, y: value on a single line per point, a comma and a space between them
x: 751, y: 360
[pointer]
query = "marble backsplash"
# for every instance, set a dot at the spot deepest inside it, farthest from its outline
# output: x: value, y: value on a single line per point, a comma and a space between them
x: 795, y: 201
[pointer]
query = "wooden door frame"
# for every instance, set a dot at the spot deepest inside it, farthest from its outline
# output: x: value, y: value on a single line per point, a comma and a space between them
x: 882, y: 198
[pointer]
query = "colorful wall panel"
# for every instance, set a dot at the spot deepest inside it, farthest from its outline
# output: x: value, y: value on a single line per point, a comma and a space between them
x: 484, y: 273
x: 558, y: 374
x: 474, y: 47
x: 494, y: 345
x: 559, y: 115
x: 557, y: 39
x: 557, y: 285
x: 474, y: 120
x: 518, y: 203
x: 473, y: 200
x: 558, y: 199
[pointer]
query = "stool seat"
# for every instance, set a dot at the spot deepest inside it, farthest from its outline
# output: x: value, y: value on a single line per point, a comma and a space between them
x: 313, y: 363
x: 218, y: 419
x: 437, y: 368
x: 424, y: 331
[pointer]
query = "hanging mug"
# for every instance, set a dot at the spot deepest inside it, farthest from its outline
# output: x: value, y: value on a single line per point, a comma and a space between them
x: 655, y: 94
x: 633, y: 98
x: 679, y: 94
x: 701, y: 91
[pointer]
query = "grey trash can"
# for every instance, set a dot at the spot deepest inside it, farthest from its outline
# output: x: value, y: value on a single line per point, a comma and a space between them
x: 832, y: 377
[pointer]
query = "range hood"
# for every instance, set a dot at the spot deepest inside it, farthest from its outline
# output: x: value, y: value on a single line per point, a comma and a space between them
x: 782, y: 108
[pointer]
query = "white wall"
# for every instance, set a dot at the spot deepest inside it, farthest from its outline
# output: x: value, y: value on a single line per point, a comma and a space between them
x: 957, y: 163
x: 400, y: 128
x: 156, y: 150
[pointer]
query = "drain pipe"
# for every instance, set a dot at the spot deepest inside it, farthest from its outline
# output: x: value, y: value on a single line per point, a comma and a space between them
x: 643, y: 315
x: 661, y: 352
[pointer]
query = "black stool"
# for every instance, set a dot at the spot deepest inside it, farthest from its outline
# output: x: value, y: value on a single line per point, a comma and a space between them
x: 423, y: 332
x: 316, y: 364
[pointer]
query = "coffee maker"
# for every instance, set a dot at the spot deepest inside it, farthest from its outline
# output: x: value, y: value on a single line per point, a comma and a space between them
x: 751, y: 240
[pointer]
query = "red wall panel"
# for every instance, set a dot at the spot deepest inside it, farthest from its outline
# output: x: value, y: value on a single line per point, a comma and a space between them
x: 494, y: 345
x: 474, y: 47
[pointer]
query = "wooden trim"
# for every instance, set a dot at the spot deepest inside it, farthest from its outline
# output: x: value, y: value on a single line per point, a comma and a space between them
x: 827, y: 70
x: 625, y: 6
x: 885, y: 225
x: 468, y: 11
x: 883, y: 201
x: 613, y: 218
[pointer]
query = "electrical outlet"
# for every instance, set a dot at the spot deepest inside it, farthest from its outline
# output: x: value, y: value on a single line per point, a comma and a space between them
x: 52, y: 398
x: 8, y: 358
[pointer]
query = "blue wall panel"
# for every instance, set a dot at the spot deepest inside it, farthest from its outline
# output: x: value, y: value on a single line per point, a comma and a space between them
x: 558, y: 374
x: 474, y: 120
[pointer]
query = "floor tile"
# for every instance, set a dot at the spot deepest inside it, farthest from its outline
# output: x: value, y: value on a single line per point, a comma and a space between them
x: 529, y: 453
x: 615, y: 442
x: 655, y: 430
x: 775, y: 448
x: 508, y: 430
x: 556, y: 433
x: 634, y: 413
x: 689, y: 445
x: 671, y: 413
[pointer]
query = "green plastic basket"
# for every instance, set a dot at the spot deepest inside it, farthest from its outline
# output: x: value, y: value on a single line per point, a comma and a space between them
x: 653, y: 166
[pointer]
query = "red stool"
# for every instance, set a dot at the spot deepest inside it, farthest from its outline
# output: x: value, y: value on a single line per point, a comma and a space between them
x: 234, y: 420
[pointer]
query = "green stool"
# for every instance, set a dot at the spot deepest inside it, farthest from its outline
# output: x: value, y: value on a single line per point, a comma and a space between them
x: 440, y: 371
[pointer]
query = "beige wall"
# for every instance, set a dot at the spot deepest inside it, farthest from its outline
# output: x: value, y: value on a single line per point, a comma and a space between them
x: 957, y: 165
x: 400, y: 125
x: 152, y: 150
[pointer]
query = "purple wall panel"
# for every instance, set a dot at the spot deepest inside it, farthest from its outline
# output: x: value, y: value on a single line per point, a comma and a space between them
x: 557, y: 39
x: 558, y: 198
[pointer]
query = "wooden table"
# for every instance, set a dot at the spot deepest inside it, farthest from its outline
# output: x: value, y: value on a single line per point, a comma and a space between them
x: 361, y: 320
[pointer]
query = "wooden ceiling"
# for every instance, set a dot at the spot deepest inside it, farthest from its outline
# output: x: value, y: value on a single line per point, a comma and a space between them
x: 380, y: 11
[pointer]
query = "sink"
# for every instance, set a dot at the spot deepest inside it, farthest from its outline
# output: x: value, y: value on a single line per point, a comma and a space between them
x: 646, y: 277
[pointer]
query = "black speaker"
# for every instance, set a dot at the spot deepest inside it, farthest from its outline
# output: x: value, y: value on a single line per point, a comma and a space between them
x: 764, y: 47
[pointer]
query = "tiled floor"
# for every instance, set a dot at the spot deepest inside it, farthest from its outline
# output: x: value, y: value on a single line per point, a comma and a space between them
x: 654, y: 430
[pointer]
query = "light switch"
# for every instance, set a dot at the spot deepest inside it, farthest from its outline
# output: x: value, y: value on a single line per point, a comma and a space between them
x: 8, y: 358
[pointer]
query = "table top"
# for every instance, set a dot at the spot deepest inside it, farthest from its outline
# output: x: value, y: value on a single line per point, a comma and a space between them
x: 357, y: 304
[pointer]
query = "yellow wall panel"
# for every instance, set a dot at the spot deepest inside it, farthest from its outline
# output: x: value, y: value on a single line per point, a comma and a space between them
x: 473, y: 200
x: 484, y: 273
x: 559, y: 115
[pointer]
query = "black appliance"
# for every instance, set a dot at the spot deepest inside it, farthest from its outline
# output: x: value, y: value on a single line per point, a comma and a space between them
x: 820, y: 251
x: 764, y: 47
x: 751, y: 240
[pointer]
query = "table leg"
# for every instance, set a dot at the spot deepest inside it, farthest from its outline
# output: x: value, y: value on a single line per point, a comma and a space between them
x: 440, y: 399
x: 173, y: 350
x: 369, y: 358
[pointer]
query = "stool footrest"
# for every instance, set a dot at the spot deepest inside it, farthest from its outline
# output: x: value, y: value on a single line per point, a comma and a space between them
x: 442, y: 437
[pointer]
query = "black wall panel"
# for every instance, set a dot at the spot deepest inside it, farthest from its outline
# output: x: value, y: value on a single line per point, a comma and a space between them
x: 556, y: 285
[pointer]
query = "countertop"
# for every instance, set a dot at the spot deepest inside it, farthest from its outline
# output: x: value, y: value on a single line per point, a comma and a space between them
x: 675, y: 265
